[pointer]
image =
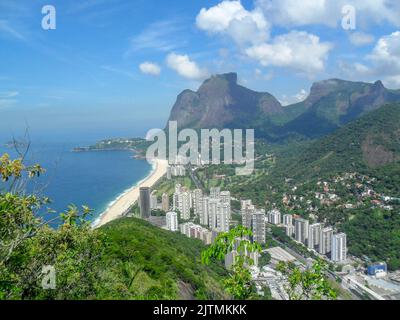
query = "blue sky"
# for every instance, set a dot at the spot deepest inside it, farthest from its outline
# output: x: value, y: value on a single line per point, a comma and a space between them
x: 115, y: 67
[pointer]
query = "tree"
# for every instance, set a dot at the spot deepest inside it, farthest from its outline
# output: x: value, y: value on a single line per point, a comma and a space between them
x: 310, y: 284
x: 238, y: 283
x: 28, y: 244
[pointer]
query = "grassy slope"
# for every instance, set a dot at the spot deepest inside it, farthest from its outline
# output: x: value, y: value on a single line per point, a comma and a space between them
x: 146, y: 262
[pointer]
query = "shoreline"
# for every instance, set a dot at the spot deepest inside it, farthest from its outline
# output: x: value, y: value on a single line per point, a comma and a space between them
x: 126, y: 200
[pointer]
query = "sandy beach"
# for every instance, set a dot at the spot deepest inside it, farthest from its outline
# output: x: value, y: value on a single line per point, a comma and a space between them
x: 126, y: 200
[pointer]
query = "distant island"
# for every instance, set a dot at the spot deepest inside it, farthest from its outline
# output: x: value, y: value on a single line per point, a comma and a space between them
x: 138, y: 145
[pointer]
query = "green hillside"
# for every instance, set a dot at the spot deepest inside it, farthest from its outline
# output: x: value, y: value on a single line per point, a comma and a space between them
x: 370, y: 145
x: 362, y: 156
x: 146, y: 262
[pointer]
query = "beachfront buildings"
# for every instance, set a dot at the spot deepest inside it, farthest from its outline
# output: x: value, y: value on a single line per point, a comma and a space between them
x: 144, y: 202
x: 172, y: 221
x: 339, y: 248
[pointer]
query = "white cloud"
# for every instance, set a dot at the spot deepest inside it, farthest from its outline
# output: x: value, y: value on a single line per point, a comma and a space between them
x: 382, y: 63
x: 260, y: 75
x: 298, y: 97
x: 387, y: 51
x: 329, y: 12
x: 301, y: 96
x: 160, y: 36
x: 232, y: 19
x: 361, y: 38
x: 185, y: 67
x: 9, y: 94
x: 298, y: 50
x: 294, y: 12
x: 150, y: 68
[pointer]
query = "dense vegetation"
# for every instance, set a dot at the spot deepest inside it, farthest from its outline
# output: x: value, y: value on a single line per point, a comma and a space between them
x: 127, y: 259
x: 158, y: 264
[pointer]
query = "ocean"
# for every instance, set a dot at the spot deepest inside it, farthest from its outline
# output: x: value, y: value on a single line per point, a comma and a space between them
x: 94, y: 179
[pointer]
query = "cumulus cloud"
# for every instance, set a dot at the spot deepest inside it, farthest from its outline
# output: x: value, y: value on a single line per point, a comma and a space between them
x: 250, y: 30
x: 383, y: 62
x: 299, y: 50
x: 298, y: 97
x: 361, y: 38
x: 327, y: 12
x: 387, y: 51
x: 150, y: 68
x: 185, y: 67
x: 232, y: 19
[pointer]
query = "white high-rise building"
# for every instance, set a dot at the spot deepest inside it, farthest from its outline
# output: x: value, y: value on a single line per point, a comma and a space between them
x: 245, y: 203
x: 184, y: 205
x: 153, y: 201
x: 172, y: 221
x: 204, y: 220
x: 197, y: 198
x: 287, y: 219
x: 289, y: 230
x: 339, y: 248
x: 247, y: 215
x: 169, y: 173
x: 165, y: 202
x: 178, y: 188
x: 212, y: 213
x: 258, y: 226
x: 215, y: 192
x: 225, y: 196
x: 223, y: 216
x: 301, y: 230
x: 274, y: 217
x: 314, y: 231
x: 325, y: 240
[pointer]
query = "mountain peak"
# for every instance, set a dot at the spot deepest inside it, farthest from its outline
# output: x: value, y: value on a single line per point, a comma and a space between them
x: 220, y: 102
x: 379, y: 85
x: 230, y: 78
